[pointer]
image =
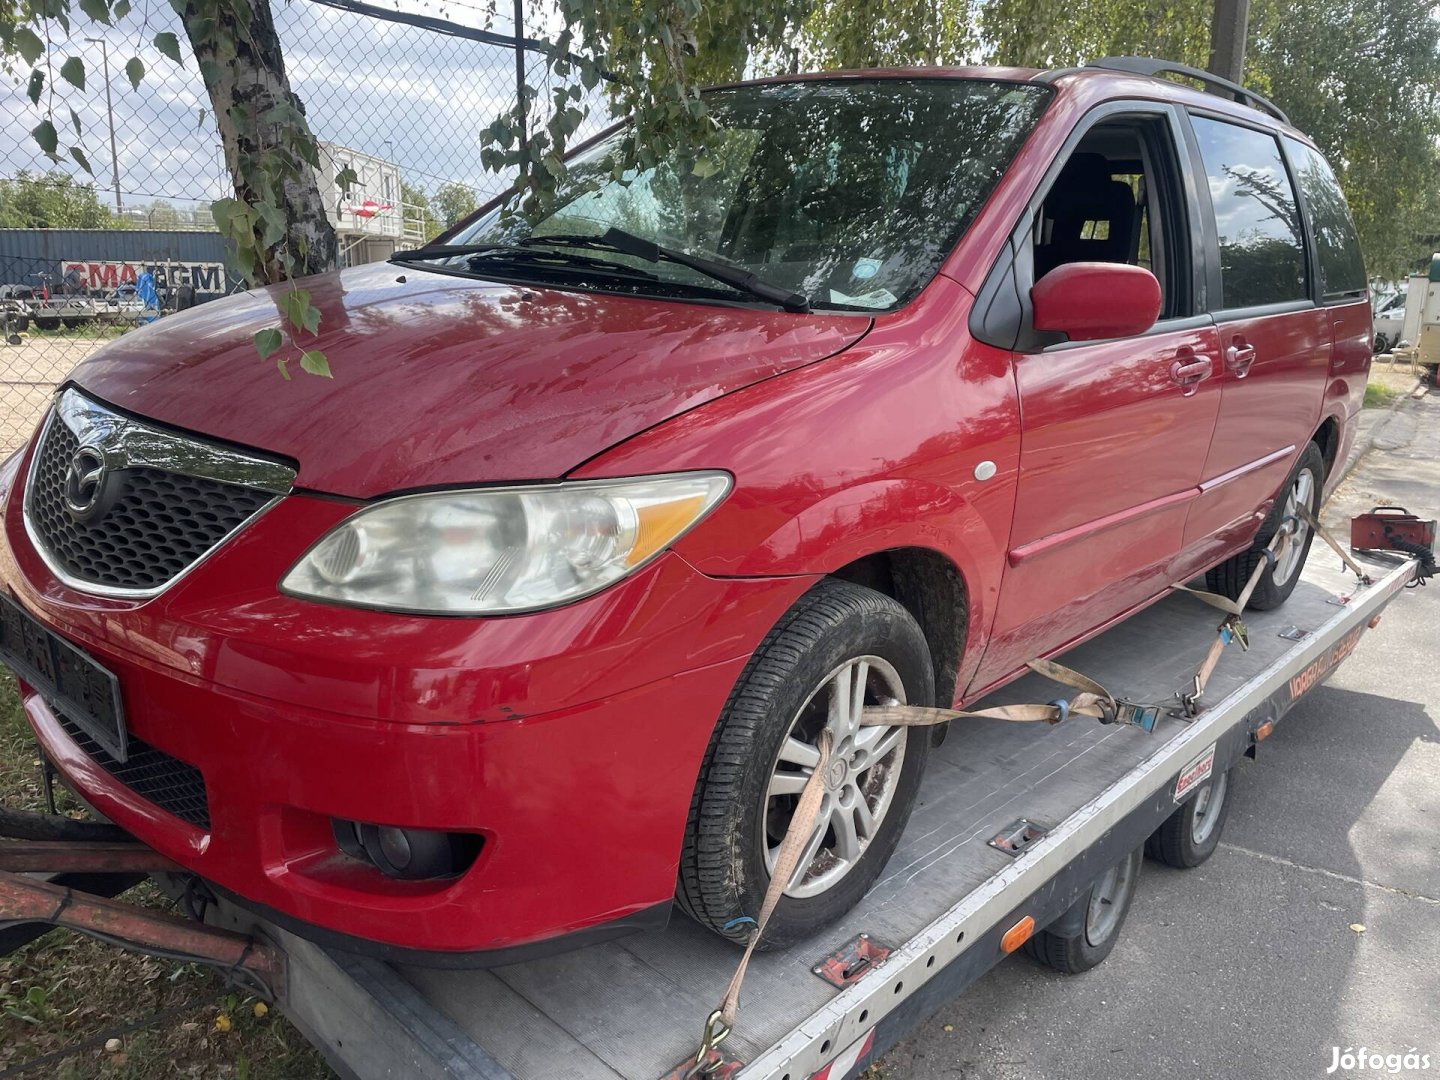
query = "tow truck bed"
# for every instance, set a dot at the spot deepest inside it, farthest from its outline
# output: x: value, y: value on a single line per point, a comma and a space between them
x: 633, y: 1008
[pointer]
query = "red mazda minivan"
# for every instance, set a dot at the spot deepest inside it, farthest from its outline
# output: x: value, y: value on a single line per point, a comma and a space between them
x: 540, y: 606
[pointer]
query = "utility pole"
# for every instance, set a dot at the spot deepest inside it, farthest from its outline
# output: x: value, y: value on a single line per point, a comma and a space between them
x: 110, y: 116
x: 1227, y: 39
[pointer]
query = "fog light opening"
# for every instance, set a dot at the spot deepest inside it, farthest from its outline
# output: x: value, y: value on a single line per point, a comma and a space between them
x: 407, y: 854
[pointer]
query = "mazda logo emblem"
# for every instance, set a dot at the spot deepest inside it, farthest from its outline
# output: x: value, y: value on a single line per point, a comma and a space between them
x: 84, y: 481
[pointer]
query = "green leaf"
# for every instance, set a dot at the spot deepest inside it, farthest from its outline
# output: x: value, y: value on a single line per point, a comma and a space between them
x: 28, y: 44
x: 46, y: 137
x: 284, y: 371
x: 297, y: 309
x: 345, y: 178
x: 134, y: 71
x: 200, y: 121
x: 75, y: 120
x: 267, y: 341
x: 81, y: 159
x: 73, y: 72
x: 37, y: 84
x: 314, y: 362
x: 168, y: 44
x: 121, y: 9
x: 98, y: 10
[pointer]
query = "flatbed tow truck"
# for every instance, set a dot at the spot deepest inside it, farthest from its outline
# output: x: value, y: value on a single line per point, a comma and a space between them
x: 1016, y: 835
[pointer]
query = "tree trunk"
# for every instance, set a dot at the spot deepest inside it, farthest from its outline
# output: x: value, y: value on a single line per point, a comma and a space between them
x: 269, y: 148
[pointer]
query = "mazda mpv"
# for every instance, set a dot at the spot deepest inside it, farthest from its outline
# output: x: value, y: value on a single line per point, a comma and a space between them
x: 527, y: 624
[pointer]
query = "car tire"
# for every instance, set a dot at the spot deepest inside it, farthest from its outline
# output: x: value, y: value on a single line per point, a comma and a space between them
x: 746, y: 789
x: 1086, y: 934
x: 1191, y: 834
x: 1278, y: 580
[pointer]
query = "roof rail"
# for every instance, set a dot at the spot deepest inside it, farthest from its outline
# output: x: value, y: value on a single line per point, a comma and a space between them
x: 1145, y: 65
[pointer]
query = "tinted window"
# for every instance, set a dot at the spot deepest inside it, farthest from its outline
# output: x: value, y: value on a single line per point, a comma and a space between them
x: 1262, y: 253
x: 850, y: 192
x: 1342, y: 270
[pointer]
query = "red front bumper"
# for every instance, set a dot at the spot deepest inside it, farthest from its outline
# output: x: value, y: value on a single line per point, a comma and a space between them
x: 569, y: 740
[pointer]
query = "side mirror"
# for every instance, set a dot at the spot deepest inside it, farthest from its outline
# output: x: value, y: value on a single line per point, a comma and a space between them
x: 1090, y: 301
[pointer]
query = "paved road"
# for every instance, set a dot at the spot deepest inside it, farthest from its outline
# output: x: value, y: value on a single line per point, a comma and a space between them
x: 1246, y: 968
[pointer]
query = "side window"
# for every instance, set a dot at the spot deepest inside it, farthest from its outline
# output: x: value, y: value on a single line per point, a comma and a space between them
x: 1115, y: 200
x: 1262, y: 251
x: 1342, y: 270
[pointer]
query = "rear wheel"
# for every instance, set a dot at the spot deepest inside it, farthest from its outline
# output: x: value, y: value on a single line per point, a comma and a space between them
x: 1279, y: 579
x: 1085, y: 935
x: 840, y: 648
x: 1192, y: 833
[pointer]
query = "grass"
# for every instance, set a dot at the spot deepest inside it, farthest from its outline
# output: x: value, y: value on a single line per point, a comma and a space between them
x: 65, y: 996
x: 1378, y: 395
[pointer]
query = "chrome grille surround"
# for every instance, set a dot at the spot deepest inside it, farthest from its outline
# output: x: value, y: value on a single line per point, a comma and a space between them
x: 118, y: 507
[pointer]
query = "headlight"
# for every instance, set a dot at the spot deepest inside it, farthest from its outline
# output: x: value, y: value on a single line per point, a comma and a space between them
x: 502, y: 550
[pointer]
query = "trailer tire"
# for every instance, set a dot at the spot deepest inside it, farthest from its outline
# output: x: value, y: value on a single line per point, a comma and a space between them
x: 1085, y: 935
x: 1230, y: 577
x: 784, y: 690
x: 1191, y: 834
x: 47, y: 322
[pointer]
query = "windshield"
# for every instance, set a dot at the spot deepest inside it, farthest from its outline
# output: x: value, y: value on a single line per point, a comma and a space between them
x: 849, y: 193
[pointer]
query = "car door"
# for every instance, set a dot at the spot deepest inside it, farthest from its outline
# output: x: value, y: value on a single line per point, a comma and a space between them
x: 1114, y: 433
x: 1275, y: 339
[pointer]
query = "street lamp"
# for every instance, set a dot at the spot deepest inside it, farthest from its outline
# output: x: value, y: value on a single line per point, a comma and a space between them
x: 110, y: 116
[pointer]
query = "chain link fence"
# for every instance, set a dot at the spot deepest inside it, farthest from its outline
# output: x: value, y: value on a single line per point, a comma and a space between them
x: 398, y: 95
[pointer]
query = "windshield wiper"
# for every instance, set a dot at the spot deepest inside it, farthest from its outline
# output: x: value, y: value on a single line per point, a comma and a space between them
x: 627, y: 243
x: 522, y: 253
x: 624, y: 243
x: 443, y: 251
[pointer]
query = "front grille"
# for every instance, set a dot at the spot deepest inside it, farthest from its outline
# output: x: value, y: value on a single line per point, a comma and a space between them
x: 169, y: 783
x: 158, y: 524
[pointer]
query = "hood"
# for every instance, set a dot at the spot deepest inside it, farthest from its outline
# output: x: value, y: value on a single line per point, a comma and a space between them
x: 445, y: 380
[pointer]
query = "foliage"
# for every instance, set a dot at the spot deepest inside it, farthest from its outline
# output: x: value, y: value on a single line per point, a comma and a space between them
x: 276, y: 222
x: 648, y: 58
x: 1362, y: 78
x: 52, y: 201
x: 415, y: 206
x: 453, y: 202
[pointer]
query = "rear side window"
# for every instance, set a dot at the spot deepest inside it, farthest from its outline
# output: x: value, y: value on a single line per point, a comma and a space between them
x: 1262, y: 251
x: 1342, y: 270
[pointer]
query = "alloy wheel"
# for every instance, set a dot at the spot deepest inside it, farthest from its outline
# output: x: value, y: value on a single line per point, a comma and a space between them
x: 860, y: 781
x: 1301, y: 493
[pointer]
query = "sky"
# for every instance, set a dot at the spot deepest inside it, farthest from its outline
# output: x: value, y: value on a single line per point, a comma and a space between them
x: 397, y: 92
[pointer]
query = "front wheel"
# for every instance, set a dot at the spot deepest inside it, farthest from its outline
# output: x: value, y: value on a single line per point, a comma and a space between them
x: 1279, y: 579
x: 839, y: 649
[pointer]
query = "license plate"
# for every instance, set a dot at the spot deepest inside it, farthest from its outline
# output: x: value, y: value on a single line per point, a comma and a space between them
x: 78, y: 686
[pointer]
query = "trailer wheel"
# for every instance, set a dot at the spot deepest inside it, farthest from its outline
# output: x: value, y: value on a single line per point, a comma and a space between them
x: 1280, y: 578
x: 840, y: 645
x: 47, y: 322
x: 1084, y: 935
x: 1191, y: 834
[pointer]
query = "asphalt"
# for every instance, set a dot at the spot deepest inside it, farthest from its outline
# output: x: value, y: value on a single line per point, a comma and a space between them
x: 1316, y: 924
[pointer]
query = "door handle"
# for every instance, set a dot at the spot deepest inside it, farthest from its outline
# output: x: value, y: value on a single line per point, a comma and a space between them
x: 1238, y: 358
x: 1190, y: 373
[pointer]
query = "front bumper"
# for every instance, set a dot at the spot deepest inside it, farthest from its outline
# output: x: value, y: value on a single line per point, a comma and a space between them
x: 568, y: 740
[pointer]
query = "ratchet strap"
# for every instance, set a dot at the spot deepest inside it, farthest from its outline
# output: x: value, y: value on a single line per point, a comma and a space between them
x: 1324, y: 534
x: 1092, y: 700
